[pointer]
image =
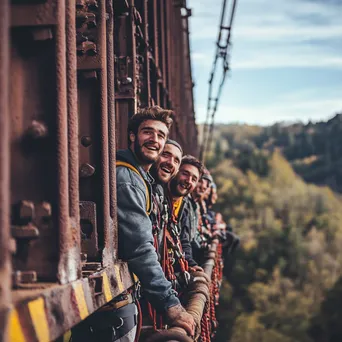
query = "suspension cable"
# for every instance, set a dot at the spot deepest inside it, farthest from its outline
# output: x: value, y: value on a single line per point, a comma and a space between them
x: 221, y: 54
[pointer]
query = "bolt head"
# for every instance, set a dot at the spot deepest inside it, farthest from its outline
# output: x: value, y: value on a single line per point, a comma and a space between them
x: 86, y: 141
x: 37, y: 130
x: 26, y: 210
x: 86, y: 170
x: 44, y: 210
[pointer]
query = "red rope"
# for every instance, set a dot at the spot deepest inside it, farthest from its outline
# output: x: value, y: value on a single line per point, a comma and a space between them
x: 139, y: 325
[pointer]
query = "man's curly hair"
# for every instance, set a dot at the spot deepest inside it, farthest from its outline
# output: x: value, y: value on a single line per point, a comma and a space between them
x: 149, y: 113
x: 188, y: 159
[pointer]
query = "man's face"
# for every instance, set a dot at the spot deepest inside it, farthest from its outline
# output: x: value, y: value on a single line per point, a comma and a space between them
x: 168, y: 163
x: 214, y: 196
x: 207, y: 193
x: 201, y: 187
x: 149, y: 141
x: 185, y: 180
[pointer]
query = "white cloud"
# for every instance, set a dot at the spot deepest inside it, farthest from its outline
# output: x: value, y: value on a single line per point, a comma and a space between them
x: 291, y: 33
x: 198, y: 56
x: 270, y: 35
x: 266, y: 61
x: 275, y: 112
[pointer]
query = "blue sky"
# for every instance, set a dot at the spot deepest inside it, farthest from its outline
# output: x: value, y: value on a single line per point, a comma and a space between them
x: 286, y: 60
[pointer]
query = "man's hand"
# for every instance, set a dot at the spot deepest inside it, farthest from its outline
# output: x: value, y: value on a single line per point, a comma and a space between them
x: 195, y: 269
x: 178, y: 317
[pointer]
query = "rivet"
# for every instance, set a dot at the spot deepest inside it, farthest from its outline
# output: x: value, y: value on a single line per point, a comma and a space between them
x: 86, y: 141
x: 37, y: 130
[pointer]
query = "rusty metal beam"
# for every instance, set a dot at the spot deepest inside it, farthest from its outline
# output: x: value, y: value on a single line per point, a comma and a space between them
x: 68, y: 266
x: 147, y: 54
x: 71, y: 69
x: 111, y: 123
x: 108, y: 224
x: 126, y: 66
x: 5, y: 257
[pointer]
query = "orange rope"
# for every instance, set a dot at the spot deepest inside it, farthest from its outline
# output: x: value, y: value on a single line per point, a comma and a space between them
x: 139, y: 325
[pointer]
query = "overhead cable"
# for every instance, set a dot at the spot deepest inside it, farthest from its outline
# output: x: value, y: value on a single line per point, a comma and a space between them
x: 221, y: 54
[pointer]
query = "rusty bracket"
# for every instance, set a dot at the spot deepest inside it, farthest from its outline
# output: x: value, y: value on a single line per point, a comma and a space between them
x: 23, y: 277
x: 92, y: 266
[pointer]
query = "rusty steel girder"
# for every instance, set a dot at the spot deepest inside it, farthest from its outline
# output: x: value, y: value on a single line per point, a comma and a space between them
x: 5, y: 237
x: 72, y: 73
x: 153, y: 66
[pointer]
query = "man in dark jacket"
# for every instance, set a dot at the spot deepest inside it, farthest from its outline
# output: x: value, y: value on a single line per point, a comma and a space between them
x: 147, y: 133
x: 181, y: 187
x: 162, y: 171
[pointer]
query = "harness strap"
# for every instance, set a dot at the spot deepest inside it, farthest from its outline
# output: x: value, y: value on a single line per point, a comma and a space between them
x: 176, y: 208
x: 131, y: 167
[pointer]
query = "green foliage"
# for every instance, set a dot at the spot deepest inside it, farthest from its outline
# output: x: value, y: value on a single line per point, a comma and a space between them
x: 314, y: 150
x: 289, y: 258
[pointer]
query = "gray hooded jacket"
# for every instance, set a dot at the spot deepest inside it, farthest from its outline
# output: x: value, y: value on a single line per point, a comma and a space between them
x: 135, y: 234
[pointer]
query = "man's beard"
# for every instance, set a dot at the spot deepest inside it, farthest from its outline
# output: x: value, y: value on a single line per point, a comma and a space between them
x: 138, y: 152
x: 174, y: 190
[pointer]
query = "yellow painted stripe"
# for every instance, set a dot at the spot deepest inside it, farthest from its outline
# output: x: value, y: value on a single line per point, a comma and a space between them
x: 81, y: 302
x: 118, y: 278
x: 39, y: 320
x: 16, y: 333
x: 106, y: 288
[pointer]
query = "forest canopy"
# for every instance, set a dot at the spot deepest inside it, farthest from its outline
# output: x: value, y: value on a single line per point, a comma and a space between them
x: 283, y: 284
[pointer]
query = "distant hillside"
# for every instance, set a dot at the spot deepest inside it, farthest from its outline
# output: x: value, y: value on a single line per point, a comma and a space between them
x: 314, y: 150
x: 284, y: 284
x: 285, y: 277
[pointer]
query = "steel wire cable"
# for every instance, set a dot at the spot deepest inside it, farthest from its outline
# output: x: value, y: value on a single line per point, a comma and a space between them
x: 221, y: 53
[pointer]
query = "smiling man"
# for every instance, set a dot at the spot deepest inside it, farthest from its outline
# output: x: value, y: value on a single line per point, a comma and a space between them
x: 163, y: 171
x: 168, y: 163
x: 190, y: 172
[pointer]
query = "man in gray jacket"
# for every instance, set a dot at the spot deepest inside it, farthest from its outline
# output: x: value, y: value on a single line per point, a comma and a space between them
x: 147, y: 133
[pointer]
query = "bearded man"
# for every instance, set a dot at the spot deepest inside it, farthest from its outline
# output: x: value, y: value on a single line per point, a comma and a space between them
x: 181, y: 188
x: 163, y: 171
